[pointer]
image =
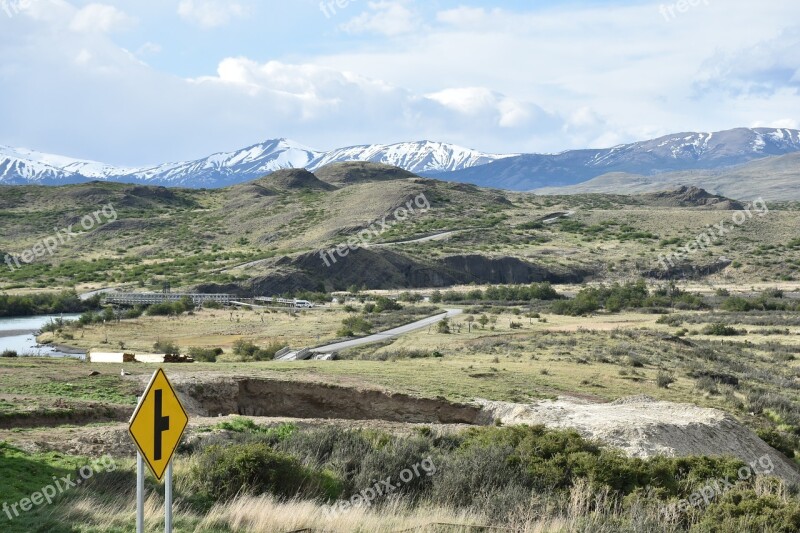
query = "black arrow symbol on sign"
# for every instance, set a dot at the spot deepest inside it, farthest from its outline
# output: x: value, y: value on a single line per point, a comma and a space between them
x: 161, y: 425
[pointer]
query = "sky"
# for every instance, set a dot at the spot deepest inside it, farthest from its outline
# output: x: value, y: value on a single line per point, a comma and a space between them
x: 139, y: 82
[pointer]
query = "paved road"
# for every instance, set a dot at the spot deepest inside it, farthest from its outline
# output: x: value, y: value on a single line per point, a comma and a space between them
x: 389, y: 334
x: 87, y: 295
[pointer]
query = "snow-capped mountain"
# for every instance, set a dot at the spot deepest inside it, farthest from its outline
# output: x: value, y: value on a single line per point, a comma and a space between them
x: 424, y: 157
x: 678, y: 152
x: 19, y: 166
x: 227, y: 168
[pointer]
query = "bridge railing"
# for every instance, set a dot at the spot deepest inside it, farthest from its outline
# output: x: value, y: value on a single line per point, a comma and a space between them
x: 151, y: 298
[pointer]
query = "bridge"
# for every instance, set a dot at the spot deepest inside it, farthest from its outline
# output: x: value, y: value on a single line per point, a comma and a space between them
x: 282, y: 301
x: 151, y: 298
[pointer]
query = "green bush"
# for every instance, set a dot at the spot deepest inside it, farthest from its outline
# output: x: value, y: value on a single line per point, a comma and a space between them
x: 744, y: 510
x: 45, y: 304
x: 205, y: 355
x: 722, y: 330
x: 8, y: 353
x: 248, y: 351
x: 784, y: 443
x: 221, y: 473
x: 386, y: 304
x: 166, y: 347
x: 664, y: 379
x: 356, y: 324
x: 616, y: 298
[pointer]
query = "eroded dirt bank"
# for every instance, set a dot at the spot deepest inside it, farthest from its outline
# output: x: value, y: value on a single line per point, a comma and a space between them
x: 639, y: 426
x: 273, y: 398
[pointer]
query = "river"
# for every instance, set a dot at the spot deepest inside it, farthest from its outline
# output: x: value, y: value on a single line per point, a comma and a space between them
x: 18, y: 334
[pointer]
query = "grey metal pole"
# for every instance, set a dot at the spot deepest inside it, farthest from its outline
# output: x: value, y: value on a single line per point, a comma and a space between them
x: 168, y: 500
x: 139, y: 493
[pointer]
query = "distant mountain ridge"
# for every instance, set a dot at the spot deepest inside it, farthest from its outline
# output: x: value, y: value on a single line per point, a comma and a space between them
x: 671, y: 153
x: 21, y: 166
x: 682, y: 152
x: 775, y: 178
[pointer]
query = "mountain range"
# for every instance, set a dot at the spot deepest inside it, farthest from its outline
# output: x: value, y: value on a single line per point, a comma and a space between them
x: 711, y: 153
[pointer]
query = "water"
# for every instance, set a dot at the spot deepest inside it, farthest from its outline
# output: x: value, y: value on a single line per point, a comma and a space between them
x: 18, y: 334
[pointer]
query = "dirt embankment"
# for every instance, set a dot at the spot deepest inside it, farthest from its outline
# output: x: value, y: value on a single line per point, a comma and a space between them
x: 276, y: 398
x: 639, y: 426
x: 643, y: 427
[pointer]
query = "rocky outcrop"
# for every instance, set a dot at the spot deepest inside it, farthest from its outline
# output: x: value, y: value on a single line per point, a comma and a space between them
x: 686, y: 196
x: 385, y: 269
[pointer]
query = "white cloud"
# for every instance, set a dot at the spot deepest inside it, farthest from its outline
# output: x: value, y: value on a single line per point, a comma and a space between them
x: 788, y: 123
x: 765, y: 67
x: 495, y: 80
x: 210, y: 13
x: 479, y: 101
x: 390, y: 18
x: 101, y: 18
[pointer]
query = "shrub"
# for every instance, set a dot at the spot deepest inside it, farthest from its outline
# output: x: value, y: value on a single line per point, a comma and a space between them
x: 8, y: 353
x: 167, y: 347
x: 205, y: 355
x: 722, y: 330
x: 746, y: 510
x: 784, y: 443
x: 386, y: 304
x: 356, y: 324
x: 664, y: 379
x: 248, y: 351
x: 443, y: 327
x: 223, y: 472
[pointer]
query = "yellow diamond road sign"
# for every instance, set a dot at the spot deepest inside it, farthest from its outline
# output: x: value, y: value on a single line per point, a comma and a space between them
x: 157, y: 424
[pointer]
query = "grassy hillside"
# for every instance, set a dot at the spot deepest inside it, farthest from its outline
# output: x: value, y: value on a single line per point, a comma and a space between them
x: 259, y: 235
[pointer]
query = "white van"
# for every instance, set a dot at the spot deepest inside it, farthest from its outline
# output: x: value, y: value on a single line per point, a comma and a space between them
x: 303, y: 304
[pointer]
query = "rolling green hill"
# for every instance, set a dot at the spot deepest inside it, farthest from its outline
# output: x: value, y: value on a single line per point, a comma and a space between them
x: 280, y: 233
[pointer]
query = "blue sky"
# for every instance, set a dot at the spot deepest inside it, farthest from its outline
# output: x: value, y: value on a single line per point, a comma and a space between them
x: 138, y: 82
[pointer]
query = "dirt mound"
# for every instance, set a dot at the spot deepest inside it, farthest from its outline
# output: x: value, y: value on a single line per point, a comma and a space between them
x: 360, y: 172
x: 643, y: 427
x: 691, y: 197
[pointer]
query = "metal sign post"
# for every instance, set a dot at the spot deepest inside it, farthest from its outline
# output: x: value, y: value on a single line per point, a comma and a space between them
x: 168, y: 500
x: 139, y: 492
x: 156, y: 428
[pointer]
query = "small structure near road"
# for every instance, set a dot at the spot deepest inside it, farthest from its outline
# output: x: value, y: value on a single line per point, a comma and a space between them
x: 130, y: 357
